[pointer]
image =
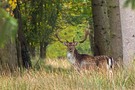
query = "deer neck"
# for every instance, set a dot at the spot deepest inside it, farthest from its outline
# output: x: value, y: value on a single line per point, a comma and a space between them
x: 72, y: 56
x: 76, y: 54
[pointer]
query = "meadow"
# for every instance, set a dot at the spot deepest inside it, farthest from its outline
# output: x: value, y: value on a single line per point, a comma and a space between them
x: 54, y: 74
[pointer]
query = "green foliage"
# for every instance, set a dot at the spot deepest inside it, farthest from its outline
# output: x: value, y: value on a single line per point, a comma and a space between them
x: 42, y: 18
x: 71, y: 23
x: 39, y: 22
x: 8, y: 27
x: 75, y: 12
x: 58, y: 50
x: 130, y: 3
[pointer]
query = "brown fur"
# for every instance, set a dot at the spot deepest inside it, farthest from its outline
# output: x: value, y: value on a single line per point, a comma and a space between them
x: 93, y: 62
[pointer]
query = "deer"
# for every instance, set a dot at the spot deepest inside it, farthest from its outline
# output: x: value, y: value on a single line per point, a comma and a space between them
x: 85, y: 61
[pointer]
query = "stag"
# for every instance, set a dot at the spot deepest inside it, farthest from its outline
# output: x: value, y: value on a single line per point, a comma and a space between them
x: 85, y: 61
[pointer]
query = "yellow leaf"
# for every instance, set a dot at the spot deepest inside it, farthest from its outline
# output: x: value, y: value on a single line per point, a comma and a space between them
x: 7, y: 9
x: 10, y: 2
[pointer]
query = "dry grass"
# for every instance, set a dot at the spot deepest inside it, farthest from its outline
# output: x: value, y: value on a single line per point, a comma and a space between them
x: 58, y: 75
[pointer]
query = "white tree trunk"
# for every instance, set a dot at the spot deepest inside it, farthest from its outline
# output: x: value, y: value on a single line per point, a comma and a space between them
x: 128, y: 32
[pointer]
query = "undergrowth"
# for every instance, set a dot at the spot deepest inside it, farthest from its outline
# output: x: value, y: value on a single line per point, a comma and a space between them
x: 59, y: 75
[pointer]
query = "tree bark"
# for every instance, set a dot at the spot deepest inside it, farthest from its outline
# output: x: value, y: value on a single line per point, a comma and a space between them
x: 23, y: 51
x: 101, y: 28
x: 115, y: 29
x: 43, y: 48
x: 128, y: 33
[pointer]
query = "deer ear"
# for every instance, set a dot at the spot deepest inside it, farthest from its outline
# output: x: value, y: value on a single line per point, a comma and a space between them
x: 65, y: 43
x: 76, y: 43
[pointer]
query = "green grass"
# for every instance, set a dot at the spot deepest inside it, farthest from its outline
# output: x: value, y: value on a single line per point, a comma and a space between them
x: 58, y: 75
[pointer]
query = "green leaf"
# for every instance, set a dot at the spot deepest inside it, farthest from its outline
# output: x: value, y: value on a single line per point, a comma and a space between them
x: 130, y: 3
x: 8, y: 27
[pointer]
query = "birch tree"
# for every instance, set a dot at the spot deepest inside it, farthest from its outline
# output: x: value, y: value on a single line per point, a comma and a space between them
x: 128, y: 32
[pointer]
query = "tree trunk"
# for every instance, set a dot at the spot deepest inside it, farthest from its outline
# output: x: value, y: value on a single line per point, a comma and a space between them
x: 32, y: 50
x: 23, y: 51
x: 19, y: 56
x: 43, y: 48
x: 8, y: 57
x: 128, y: 33
x: 101, y: 27
x: 115, y: 29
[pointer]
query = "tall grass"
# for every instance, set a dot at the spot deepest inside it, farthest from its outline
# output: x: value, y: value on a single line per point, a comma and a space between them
x: 58, y: 75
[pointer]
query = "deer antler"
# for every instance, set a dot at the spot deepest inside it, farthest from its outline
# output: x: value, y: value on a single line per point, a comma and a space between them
x: 58, y: 38
x: 85, y: 37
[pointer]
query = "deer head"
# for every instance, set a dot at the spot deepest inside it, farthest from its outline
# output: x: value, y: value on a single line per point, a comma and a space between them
x: 71, y: 45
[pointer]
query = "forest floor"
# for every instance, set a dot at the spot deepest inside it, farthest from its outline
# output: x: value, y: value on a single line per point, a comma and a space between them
x: 58, y: 75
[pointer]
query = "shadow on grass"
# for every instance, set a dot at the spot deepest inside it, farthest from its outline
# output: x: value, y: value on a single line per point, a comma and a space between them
x: 50, y: 69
